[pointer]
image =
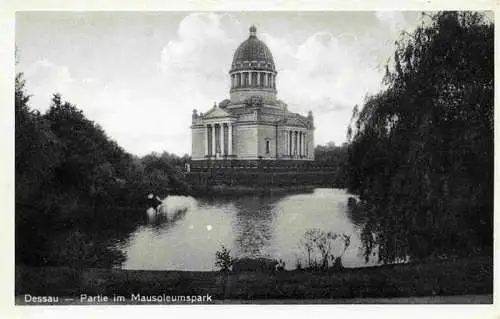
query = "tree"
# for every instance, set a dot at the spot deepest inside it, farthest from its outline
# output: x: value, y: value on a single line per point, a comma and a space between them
x: 37, y: 149
x: 421, y: 150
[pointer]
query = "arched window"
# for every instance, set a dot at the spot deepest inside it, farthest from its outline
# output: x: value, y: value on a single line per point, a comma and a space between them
x: 268, y: 147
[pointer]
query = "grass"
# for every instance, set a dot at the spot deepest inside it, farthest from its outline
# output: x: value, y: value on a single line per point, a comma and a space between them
x: 459, y: 277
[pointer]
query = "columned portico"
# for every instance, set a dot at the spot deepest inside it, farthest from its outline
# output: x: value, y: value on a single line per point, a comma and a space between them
x: 221, y: 144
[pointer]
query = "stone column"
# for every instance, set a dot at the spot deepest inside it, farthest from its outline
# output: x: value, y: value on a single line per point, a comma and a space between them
x: 229, y: 138
x: 295, y: 149
x: 286, y: 143
x: 213, y: 140
x: 221, y: 132
x: 206, y: 139
x: 303, y: 149
x: 305, y: 144
x: 300, y: 143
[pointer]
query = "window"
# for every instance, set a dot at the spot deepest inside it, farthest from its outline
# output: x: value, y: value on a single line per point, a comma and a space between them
x: 268, y: 148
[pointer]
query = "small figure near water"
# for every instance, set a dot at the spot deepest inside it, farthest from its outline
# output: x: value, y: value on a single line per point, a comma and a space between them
x: 155, y: 202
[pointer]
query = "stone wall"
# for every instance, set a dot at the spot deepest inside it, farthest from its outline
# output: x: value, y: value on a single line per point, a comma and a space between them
x: 241, y: 94
x: 198, y: 143
x: 245, y: 141
x: 282, y: 147
x: 249, y: 142
x: 267, y: 133
x: 263, y: 179
x: 310, y: 145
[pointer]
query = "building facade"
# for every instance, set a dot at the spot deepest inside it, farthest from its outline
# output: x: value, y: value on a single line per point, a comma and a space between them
x: 252, y: 124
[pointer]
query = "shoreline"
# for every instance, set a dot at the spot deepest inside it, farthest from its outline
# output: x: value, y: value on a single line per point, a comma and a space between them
x: 467, y: 276
x: 226, y: 190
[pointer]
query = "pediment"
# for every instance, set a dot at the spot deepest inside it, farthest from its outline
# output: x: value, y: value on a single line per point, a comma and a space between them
x: 216, y: 112
x: 294, y: 121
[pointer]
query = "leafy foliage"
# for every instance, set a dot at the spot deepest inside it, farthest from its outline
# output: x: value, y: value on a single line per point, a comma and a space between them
x: 223, y: 259
x: 66, y: 168
x: 329, y: 247
x: 421, y: 150
x: 335, y: 157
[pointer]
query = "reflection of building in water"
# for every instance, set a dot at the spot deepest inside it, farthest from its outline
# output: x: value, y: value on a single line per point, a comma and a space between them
x: 253, y: 123
x: 253, y: 224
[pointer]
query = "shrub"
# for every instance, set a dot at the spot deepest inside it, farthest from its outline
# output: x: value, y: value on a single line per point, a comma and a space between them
x: 223, y: 259
x: 318, y: 243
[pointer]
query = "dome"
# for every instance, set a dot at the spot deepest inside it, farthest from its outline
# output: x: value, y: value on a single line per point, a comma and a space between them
x: 253, y: 54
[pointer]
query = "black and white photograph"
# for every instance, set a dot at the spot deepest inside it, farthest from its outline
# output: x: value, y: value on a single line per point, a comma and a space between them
x: 253, y: 157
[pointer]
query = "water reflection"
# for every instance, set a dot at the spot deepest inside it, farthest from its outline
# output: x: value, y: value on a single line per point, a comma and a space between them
x: 162, y: 222
x: 253, y: 225
x: 189, y: 231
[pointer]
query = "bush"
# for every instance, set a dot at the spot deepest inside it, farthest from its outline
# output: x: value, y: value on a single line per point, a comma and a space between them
x: 321, y: 244
x: 223, y: 259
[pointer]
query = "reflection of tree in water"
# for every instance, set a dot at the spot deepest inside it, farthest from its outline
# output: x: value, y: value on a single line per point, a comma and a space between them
x: 357, y: 213
x: 161, y: 223
x: 89, y: 239
x: 253, y: 224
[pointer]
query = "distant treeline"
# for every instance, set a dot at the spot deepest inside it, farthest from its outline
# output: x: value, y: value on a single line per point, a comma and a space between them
x: 335, y: 157
x: 421, y: 151
x: 66, y: 168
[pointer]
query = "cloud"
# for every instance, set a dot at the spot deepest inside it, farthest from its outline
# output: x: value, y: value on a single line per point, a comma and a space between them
x: 323, y: 73
x: 43, y: 78
x: 198, y: 60
x: 394, y: 20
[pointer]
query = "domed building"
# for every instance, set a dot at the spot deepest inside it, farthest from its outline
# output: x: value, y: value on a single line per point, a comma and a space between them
x: 252, y: 124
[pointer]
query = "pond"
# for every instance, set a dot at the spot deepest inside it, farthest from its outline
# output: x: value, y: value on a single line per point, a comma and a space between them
x: 189, y: 231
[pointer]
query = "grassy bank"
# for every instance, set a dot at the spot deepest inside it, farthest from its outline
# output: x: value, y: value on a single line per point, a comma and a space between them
x: 465, y: 276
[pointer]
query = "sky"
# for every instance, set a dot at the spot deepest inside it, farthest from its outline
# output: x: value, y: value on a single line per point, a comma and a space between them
x: 140, y: 74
